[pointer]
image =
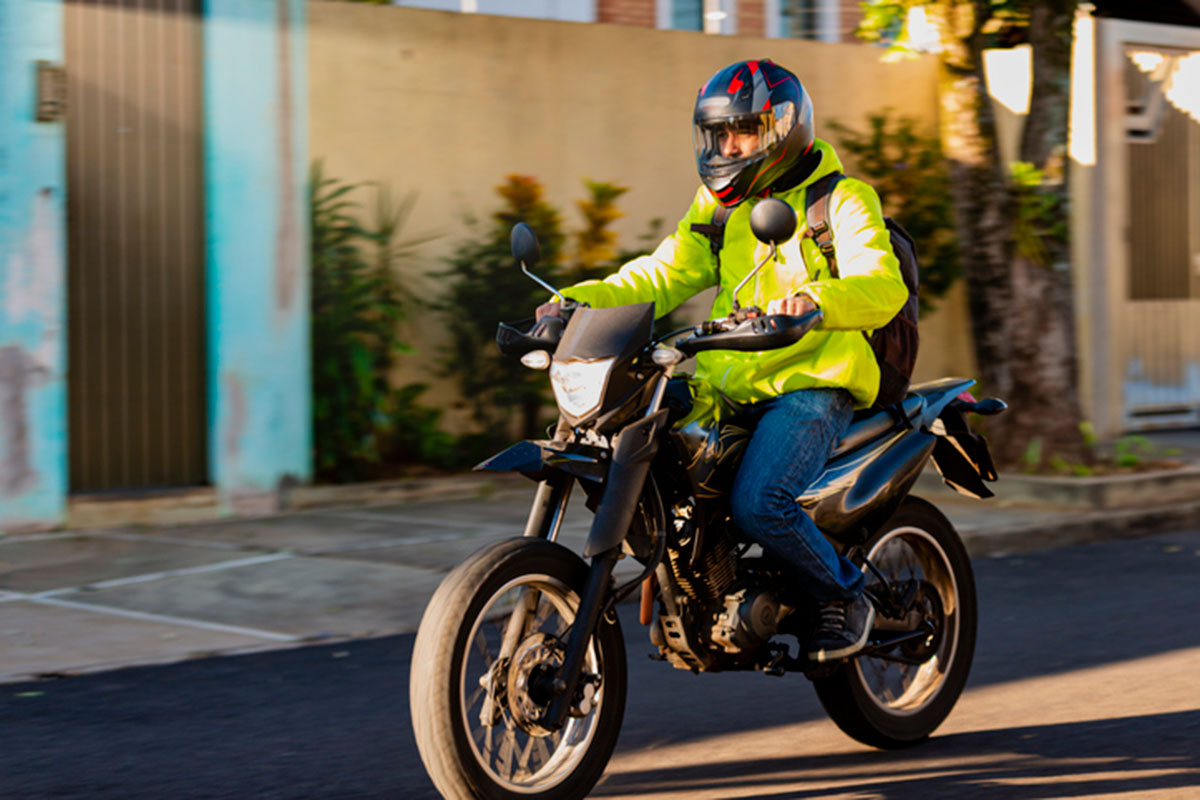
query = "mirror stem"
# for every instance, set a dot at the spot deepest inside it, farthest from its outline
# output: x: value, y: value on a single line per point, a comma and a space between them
x: 543, y: 284
x: 753, y: 272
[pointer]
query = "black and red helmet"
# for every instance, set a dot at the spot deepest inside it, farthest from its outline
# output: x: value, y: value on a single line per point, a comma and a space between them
x: 750, y: 97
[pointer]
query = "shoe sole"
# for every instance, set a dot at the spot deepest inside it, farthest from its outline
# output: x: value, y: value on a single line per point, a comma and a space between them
x: 822, y: 656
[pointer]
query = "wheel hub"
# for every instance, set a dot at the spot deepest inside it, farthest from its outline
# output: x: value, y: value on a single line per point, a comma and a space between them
x: 533, y: 665
x: 928, y: 604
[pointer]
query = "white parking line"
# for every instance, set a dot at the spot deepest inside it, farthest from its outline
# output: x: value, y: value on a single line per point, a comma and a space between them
x: 41, y: 537
x: 169, y: 620
x: 170, y: 573
x: 412, y: 540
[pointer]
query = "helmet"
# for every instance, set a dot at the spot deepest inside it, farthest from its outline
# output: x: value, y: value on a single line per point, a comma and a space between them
x: 758, y: 98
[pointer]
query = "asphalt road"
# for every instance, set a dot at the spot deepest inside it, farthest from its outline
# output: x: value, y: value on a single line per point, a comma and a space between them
x: 1086, y: 684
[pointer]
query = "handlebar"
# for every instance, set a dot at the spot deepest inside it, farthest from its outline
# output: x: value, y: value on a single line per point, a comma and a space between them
x: 751, y: 333
x: 746, y: 331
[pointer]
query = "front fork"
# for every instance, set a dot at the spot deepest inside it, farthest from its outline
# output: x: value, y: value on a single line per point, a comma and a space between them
x: 633, y: 450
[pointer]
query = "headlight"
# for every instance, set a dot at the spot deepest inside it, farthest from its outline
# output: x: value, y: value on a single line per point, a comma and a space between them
x: 579, y: 385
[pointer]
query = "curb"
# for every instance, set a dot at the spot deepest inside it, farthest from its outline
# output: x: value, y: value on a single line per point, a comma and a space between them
x: 1150, y: 489
x: 1083, y: 528
x: 473, y: 484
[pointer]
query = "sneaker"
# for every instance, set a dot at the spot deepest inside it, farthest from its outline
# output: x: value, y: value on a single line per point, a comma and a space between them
x: 843, y: 629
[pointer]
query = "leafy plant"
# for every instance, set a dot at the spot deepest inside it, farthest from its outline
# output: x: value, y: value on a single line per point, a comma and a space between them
x: 1040, y: 227
x: 486, y: 287
x: 1031, y: 459
x: 596, y: 242
x: 357, y: 305
x: 908, y: 171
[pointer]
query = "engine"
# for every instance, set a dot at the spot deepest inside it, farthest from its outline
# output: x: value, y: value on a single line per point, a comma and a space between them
x: 712, y: 621
x: 748, y: 618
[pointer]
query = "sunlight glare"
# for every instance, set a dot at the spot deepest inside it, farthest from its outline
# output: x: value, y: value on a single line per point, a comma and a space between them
x: 1009, y: 73
x: 1081, y: 137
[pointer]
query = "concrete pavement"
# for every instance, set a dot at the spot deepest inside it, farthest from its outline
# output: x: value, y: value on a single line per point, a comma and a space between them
x: 86, y: 600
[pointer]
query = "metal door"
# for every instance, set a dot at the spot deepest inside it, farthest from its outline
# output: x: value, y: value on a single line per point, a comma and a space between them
x: 136, y: 246
x: 1161, y: 382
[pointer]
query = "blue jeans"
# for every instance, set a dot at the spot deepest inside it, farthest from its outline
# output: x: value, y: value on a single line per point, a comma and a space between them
x: 793, y: 437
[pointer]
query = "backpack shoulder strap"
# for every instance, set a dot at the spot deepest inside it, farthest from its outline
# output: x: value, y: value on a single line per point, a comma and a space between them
x: 816, y: 214
x: 715, y: 232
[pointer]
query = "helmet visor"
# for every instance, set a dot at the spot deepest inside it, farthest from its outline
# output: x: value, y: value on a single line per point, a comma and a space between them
x: 733, y: 141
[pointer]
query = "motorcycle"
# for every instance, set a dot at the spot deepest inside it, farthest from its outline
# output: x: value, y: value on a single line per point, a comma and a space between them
x: 518, y: 678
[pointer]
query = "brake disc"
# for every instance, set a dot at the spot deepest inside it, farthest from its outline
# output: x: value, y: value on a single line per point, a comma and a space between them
x: 533, y: 665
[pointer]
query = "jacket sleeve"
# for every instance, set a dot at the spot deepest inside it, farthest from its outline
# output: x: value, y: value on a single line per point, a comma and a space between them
x: 870, y: 289
x: 680, y: 267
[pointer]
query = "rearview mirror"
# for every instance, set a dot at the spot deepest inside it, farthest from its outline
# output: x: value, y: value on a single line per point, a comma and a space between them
x: 526, y: 251
x: 773, y: 221
x: 525, y: 247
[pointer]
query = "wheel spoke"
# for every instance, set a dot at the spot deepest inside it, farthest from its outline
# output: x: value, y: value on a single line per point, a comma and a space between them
x: 481, y: 645
x: 506, y: 755
x: 544, y: 609
x: 523, y: 760
x: 475, y: 695
x: 543, y: 750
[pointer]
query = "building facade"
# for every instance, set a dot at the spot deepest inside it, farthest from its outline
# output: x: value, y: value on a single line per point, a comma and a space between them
x: 820, y: 20
x: 159, y: 341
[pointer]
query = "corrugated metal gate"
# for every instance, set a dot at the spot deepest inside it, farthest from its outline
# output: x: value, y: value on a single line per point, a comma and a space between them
x: 1161, y: 384
x: 136, y: 244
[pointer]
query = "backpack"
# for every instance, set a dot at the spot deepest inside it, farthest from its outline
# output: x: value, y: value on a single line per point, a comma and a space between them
x: 895, y: 344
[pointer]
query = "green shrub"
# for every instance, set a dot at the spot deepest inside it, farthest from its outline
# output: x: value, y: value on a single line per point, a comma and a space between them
x: 486, y: 287
x: 357, y: 305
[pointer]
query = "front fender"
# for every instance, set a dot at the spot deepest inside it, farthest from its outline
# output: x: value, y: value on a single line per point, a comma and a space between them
x: 536, y: 458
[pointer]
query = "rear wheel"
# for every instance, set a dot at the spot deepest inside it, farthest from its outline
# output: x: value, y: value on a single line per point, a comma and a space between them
x: 901, y: 696
x: 491, y: 638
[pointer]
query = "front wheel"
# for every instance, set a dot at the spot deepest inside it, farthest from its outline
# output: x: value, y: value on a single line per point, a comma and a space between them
x: 896, y: 698
x: 492, y: 634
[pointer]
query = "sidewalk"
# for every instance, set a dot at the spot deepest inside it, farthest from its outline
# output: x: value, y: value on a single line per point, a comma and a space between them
x: 87, y: 600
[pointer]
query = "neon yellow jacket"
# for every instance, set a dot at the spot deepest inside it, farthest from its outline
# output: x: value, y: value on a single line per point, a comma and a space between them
x: 868, y: 293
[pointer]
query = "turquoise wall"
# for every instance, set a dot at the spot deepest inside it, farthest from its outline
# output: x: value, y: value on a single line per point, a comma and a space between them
x: 33, y: 410
x: 256, y: 159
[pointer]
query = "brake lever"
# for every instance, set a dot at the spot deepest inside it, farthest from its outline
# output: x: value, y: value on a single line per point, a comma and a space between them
x: 725, y: 324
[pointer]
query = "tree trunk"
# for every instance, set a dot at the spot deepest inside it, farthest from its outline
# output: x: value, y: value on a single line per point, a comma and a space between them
x: 1021, y: 312
x: 1046, y: 387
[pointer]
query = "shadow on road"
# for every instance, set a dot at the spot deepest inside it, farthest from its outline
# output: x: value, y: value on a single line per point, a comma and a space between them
x: 1156, y: 752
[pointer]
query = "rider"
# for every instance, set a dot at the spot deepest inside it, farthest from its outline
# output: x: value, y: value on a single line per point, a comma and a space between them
x: 753, y: 132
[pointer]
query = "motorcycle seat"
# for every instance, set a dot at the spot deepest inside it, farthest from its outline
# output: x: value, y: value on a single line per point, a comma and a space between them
x: 869, y: 424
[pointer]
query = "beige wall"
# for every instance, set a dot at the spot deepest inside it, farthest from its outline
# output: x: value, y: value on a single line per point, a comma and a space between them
x: 447, y: 104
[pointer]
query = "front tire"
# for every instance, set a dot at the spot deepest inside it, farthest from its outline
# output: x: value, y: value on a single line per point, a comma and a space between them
x: 888, y: 704
x: 474, y: 711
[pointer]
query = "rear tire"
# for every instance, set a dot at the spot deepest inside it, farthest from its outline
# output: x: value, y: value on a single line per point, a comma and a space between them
x: 453, y: 672
x: 888, y: 705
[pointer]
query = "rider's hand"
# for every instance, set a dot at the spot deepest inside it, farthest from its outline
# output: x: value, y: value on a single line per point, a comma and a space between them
x: 551, y: 309
x: 794, y: 306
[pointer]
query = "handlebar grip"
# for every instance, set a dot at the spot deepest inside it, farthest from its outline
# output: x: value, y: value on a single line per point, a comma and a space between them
x: 524, y: 336
x: 549, y: 328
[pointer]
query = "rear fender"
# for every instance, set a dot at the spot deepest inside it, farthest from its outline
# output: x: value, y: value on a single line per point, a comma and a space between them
x: 960, y: 455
